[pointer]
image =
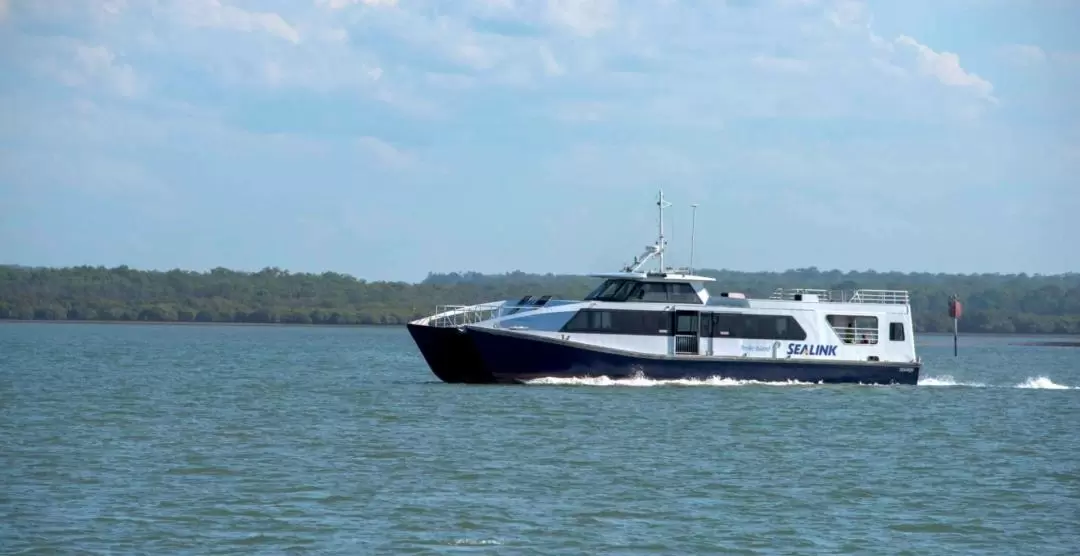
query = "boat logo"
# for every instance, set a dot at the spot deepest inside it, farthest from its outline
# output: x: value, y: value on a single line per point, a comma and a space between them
x: 811, y: 349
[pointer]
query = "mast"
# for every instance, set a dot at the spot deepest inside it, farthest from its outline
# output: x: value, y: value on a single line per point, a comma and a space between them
x: 661, y: 203
x: 693, y: 223
x: 655, y: 249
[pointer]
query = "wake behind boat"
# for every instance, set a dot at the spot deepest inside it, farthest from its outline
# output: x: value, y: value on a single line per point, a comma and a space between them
x: 665, y: 324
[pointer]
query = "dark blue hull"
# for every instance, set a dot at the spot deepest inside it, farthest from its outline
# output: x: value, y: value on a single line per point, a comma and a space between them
x: 509, y: 357
x: 450, y: 354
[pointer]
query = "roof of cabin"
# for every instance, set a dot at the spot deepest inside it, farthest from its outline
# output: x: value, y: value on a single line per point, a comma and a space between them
x: 653, y: 276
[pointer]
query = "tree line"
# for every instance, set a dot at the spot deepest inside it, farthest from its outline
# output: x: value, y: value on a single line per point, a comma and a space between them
x: 997, y: 303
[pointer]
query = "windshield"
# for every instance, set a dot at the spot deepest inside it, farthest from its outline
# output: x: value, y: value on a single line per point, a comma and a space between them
x: 596, y: 291
x: 644, y: 292
x: 605, y: 289
x: 612, y: 290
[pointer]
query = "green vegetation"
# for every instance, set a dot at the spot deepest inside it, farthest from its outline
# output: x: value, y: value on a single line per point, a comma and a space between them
x: 992, y: 302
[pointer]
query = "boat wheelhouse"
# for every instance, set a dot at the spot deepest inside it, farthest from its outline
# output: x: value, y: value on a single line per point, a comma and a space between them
x: 667, y: 324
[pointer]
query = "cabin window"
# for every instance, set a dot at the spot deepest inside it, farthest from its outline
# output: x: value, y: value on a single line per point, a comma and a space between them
x: 608, y: 290
x: 724, y: 326
x: 664, y: 292
x: 602, y: 288
x: 756, y: 327
x: 624, y: 291
x: 612, y: 290
x: 854, y: 329
x: 781, y: 327
x: 589, y: 321
x: 686, y: 324
x: 896, y: 331
x: 679, y: 292
x: 600, y: 320
x: 706, y: 325
x: 650, y: 292
x: 606, y: 321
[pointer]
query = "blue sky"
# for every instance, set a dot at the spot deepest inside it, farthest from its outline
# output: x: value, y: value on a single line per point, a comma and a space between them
x: 388, y: 138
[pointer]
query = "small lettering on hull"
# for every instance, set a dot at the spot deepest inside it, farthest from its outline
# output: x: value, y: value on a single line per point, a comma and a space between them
x: 811, y: 349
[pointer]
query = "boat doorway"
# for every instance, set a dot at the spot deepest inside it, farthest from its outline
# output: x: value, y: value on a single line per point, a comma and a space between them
x: 687, y: 332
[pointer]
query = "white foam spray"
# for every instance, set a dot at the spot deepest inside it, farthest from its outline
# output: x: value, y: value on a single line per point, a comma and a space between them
x: 1043, y: 383
x: 947, y: 380
x: 478, y: 542
x: 639, y: 381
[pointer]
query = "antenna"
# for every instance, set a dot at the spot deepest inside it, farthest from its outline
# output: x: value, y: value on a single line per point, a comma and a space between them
x: 693, y: 224
x: 662, y: 204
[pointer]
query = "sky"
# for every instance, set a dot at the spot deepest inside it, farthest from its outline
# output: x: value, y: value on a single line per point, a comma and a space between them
x: 390, y: 138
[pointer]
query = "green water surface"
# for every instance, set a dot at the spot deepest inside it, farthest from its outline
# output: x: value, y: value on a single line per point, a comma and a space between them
x: 171, y: 439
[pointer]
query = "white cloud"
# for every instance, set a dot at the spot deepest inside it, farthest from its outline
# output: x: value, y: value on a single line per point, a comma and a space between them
x: 114, y: 7
x: 550, y: 64
x: 474, y: 56
x: 654, y: 61
x: 895, y: 58
x: 671, y: 60
x: 1024, y: 54
x: 945, y: 67
x: 849, y: 13
x: 95, y: 66
x: 385, y: 153
x: 214, y: 14
x: 583, y: 17
x: 339, y: 4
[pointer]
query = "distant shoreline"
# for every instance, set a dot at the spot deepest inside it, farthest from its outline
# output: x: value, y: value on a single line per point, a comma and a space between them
x: 993, y: 303
x: 1061, y: 343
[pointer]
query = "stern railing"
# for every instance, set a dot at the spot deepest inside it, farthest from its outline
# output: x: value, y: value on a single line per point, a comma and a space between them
x: 887, y: 297
x: 878, y: 297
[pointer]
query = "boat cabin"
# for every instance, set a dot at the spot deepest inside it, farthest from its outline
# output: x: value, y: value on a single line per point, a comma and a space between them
x: 651, y: 287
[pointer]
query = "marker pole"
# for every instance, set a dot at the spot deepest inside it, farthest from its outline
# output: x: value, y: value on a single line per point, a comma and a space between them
x: 955, y: 336
x: 955, y: 310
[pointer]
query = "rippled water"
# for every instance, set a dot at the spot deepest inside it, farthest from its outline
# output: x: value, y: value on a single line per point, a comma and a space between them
x: 231, y: 439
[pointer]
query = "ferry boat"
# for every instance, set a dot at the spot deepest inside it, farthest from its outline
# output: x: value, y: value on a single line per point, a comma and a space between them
x: 665, y: 324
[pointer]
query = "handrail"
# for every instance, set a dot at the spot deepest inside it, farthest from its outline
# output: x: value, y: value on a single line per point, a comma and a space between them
x: 460, y: 315
x: 790, y: 293
x: 892, y: 297
x: 880, y: 297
